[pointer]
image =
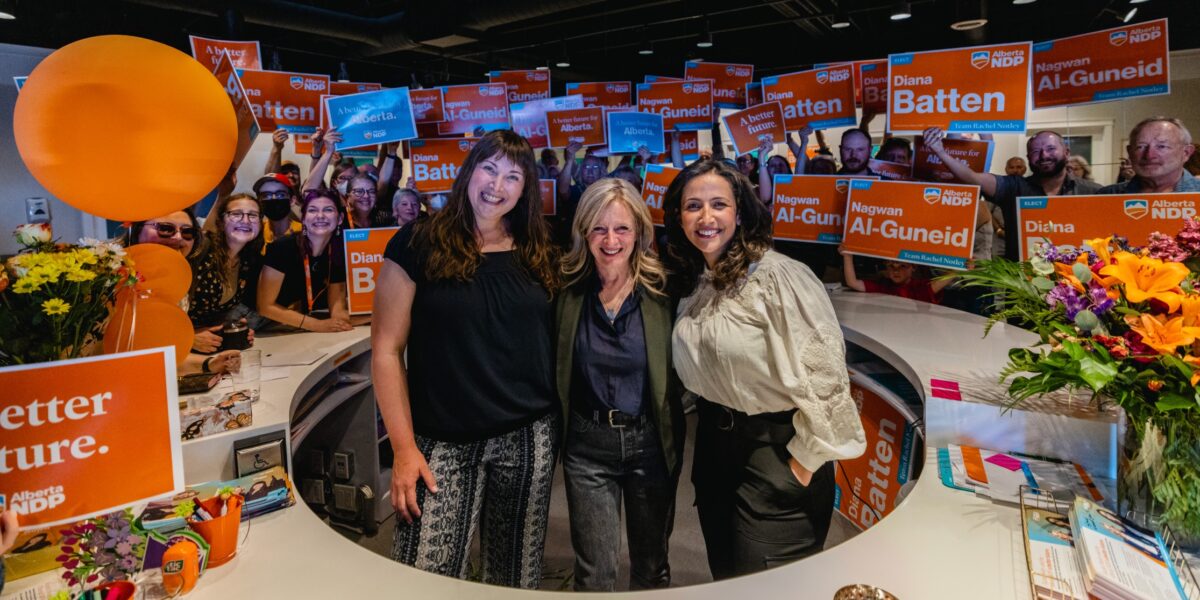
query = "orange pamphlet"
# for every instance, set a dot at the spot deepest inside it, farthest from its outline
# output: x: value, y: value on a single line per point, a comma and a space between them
x: 924, y: 223
x: 973, y: 461
x: 87, y: 436
x: 982, y: 89
x: 684, y: 105
x: 612, y: 95
x: 364, y: 257
x: 549, y: 189
x: 872, y: 84
x: 290, y: 101
x: 427, y: 105
x: 245, y: 55
x: 891, y: 170
x: 810, y: 208
x: 875, y: 478
x: 818, y: 98
x: 729, y: 81
x: 435, y: 162
x: 1069, y: 220
x: 748, y: 128
x: 583, y: 125
x: 1114, y: 64
x: 928, y: 167
x: 654, y: 187
x: 475, y: 105
x: 523, y: 86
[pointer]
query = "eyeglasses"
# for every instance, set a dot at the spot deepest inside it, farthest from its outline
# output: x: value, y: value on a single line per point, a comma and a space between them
x: 280, y: 195
x: 362, y: 192
x: 167, y: 230
x: 242, y: 216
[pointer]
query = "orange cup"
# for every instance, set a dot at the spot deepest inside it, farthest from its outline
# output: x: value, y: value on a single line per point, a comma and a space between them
x: 221, y: 532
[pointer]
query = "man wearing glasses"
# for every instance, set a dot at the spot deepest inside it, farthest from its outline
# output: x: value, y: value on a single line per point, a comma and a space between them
x: 279, y: 203
x: 1158, y: 149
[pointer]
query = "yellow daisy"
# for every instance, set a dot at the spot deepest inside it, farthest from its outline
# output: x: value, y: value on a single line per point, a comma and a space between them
x: 55, y: 306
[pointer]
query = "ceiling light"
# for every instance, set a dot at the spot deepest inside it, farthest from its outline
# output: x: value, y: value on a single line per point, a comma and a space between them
x: 968, y: 24
x: 705, y: 40
x: 901, y: 11
x: 7, y: 10
x: 970, y: 15
x: 543, y: 68
x: 646, y: 48
x: 1129, y: 15
x: 840, y: 19
x: 1137, y: 1
x: 563, y: 62
x: 1024, y: 1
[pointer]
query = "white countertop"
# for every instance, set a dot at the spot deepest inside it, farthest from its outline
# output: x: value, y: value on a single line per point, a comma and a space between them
x: 938, y: 543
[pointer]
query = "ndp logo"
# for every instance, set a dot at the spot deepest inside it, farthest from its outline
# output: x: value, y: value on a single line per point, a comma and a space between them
x: 841, y: 185
x: 1118, y: 38
x: 535, y: 76
x: 297, y: 82
x: 932, y: 195
x: 1136, y: 209
x: 980, y: 59
x: 31, y: 502
x: 485, y: 90
x: 464, y: 145
x: 822, y: 77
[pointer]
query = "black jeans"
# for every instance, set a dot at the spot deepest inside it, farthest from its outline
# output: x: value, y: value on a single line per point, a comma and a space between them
x: 754, y: 514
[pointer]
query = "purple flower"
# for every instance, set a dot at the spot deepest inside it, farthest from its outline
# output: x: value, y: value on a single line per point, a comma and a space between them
x: 124, y: 548
x: 128, y: 564
x: 1165, y: 248
x: 1101, y: 303
x: 1066, y: 296
x: 1188, y: 238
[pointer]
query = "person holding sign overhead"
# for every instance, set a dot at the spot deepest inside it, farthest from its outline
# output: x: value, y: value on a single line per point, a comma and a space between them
x: 625, y: 429
x: 472, y: 415
x: 757, y: 339
x: 1158, y: 148
x: 303, y: 274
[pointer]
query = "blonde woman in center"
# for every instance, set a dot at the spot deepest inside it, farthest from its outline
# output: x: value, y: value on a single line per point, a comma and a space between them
x: 624, y: 422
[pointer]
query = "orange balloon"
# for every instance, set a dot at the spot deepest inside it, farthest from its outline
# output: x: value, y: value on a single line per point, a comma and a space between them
x: 151, y: 324
x: 125, y: 128
x: 165, y: 273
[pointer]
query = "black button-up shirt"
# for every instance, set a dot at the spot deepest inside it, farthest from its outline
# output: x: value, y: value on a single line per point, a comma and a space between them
x: 610, y: 369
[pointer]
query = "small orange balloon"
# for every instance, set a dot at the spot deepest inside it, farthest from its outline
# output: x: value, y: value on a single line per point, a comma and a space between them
x: 165, y: 273
x: 125, y: 128
x: 150, y: 323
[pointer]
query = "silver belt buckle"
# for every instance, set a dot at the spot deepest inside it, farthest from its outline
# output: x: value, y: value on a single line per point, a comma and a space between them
x: 610, y: 419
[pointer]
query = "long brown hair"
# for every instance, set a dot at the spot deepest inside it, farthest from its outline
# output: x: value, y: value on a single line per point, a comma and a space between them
x: 449, y: 236
x: 219, y: 244
x: 578, y: 264
x: 751, y: 239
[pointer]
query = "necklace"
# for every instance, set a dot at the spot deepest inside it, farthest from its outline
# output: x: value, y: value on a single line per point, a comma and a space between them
x: 613, y: 305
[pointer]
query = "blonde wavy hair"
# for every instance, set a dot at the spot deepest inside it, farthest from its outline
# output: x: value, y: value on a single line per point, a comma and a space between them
x: 578, y: 264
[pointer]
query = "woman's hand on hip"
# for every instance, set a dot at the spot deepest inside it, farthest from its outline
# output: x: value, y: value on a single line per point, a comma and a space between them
x: 804, y: 476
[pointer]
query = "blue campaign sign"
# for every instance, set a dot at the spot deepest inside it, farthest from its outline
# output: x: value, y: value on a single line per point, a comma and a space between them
x: 372, y: 117
x: 628, y: 131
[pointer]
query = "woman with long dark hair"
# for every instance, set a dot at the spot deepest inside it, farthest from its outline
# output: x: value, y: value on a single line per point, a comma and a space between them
x: 465, y: 297
x: 225, y: 273
x: 757, y: 339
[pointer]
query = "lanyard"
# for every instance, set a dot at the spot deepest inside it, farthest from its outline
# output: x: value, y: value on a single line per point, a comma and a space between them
x: 308, y: 289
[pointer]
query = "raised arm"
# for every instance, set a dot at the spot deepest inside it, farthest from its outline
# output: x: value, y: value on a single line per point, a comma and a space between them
x: 766, y: 183
x: 316, y: 175
x: 986, y: 181
x: 800, y: 150
x: 718, y: 149
x: 676, y: 151
x: 848, y: 272
x: 569, y: 166
x: 391, y: 162
x: 275, y: 158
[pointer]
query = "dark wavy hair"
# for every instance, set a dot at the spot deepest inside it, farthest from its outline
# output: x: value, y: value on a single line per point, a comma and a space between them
x: 335, y: 198
x: 751, y: 238
x: 449, y: 236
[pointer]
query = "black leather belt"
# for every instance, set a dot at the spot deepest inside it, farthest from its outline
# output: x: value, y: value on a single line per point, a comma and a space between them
x: 770, y: 428
x: 613, y: 418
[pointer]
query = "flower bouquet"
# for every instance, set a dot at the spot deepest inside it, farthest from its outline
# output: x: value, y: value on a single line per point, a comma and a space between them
x: 1123, y: 323
x: 108, y: 548
x: 55, y: 298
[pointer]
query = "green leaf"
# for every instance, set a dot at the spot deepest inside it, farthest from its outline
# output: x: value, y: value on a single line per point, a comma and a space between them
x: 1095, y: 373
x: 1172, y: 401
x: 1043, y: 284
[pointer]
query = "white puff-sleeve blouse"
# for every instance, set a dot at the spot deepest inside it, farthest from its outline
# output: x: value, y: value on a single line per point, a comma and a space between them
x: 772, y: 344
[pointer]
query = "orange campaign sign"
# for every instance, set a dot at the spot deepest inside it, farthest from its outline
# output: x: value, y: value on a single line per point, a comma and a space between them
x: 523, y: 86
x: 754, y: 94
x: 818, y: 98
x: 684, y: 105
x: 583, y: 125
x: 893, y: 171
x: 288, y: 101
x: 983, y: 89
x: 1069, y: 220
x: 345, y: 88
x: 474, y: 105
x: 924, y: 223
x: 247, y: 125
x: 364, y: 257
x: 749, y: 128
x: 1114, y: 64
x: 729, y: 81
x: 435, y: 163
x: 88, y: 436
x: 810, y: 208
x: 875, y: 478
x: 654, y: 187
x: 928, y: 167
x: 613, y: 95
x: 427, y: 105
x: 689, y: 146
x: 871, y: 84
x: 549, y: 190
x: 245, y: 55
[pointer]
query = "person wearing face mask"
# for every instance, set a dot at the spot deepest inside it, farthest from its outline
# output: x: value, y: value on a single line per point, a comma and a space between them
x: 280, y: 207
x: 303, y: 275
x: 463, y: 366
x: 1047, y: 154
x: 225, y: 274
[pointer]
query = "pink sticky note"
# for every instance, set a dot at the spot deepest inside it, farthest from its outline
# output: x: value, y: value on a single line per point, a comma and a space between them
x: 1004, y: 461
x: 946, y: 394
x: 942, y: 383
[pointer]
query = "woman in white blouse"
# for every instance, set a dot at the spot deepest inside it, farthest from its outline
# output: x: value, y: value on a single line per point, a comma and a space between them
x: 757, y: 340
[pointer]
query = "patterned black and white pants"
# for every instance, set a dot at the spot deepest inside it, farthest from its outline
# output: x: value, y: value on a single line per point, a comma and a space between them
x: 500, y: 485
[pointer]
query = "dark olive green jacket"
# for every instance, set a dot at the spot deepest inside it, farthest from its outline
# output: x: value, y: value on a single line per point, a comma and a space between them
x: 666, y: 391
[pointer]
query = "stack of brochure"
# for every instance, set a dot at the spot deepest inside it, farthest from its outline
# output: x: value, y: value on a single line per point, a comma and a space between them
x: 1000, y: 475
x: 1119, y: 560
x: 263, y: 492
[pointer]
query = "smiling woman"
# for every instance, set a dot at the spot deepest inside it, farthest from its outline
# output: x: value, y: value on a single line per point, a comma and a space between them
x: 226, y: 271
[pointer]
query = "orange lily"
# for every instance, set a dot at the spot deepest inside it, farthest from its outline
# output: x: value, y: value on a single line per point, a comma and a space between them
x: 1148, y: 278
x: 1100, y: 247
x: 1065, y: 272
x: 1190, y: 305
x: 1165, y: 335
x: 1195, y: 362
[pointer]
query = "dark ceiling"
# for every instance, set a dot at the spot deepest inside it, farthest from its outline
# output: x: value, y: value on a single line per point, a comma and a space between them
x: 457, y: 41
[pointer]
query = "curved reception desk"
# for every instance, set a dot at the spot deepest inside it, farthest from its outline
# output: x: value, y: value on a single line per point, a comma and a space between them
x: 937, y: 543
